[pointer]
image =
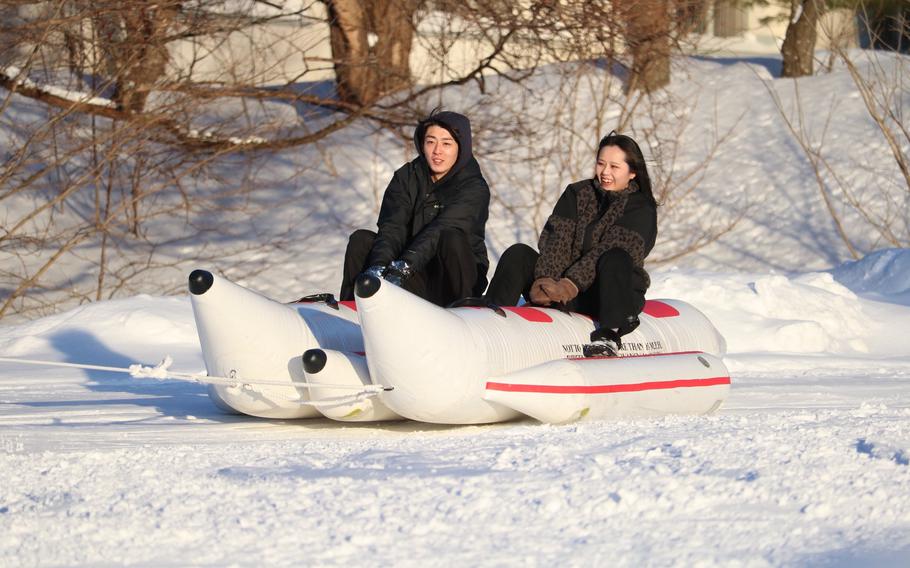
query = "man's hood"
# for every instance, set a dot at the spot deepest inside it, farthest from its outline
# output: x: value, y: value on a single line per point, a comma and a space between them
x: 459, y: 126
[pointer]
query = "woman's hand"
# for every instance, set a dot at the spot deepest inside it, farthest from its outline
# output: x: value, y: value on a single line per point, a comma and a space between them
x: 541, y: 291
x: 563, y: 291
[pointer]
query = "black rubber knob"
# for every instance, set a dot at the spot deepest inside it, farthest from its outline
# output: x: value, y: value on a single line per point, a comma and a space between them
x: 367, y: 285
x: 201, y: 281
x: 314, y: 360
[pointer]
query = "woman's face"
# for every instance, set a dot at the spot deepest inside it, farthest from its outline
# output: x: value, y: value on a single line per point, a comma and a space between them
x: 611, y: 170
x: 440, y: 150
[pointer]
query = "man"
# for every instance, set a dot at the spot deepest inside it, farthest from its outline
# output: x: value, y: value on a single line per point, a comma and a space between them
x: 431, y: 223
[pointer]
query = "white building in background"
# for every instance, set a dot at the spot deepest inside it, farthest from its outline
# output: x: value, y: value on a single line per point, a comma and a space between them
x: 299, y: 50
x: 734, y: 29
x: 296, y: 48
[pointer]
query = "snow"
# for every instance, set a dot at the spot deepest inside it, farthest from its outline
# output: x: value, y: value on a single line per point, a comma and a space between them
x: 13, y: 73
x: 808, y: 463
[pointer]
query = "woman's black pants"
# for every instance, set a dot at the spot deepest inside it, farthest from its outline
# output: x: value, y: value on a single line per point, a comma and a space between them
x: 452, y: 273
x: 614, y: 300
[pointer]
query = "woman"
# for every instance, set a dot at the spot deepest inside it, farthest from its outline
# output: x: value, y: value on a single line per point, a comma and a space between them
x: 432, y: 220
x: 592, y: 248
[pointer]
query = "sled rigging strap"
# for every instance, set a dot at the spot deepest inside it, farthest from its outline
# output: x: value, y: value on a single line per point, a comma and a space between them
x: 161, y: 372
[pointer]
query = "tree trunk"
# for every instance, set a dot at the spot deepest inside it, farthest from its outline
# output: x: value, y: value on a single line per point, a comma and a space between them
x: 393, y: 23
x: 648, y: 31
x: 133, y: 42
x: 798, y: 49
x: 371, y: 47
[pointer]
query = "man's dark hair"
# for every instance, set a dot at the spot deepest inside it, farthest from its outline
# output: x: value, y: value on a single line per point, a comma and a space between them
x: 434, y: 119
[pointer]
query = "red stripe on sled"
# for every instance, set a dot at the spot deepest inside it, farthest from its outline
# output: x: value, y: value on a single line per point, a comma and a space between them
x: 530, y: 314
x: 350, y: 304
x: 657, y: 309
x: 605, y: 389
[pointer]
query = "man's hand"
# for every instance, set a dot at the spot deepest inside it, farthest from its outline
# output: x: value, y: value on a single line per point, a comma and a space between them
x: 376, y: 270
x: 398, y: 272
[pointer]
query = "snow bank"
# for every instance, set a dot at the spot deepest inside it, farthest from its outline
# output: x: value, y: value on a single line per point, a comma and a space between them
x: 811, y: 313
x: 142, y: 329
x: 884, y: 274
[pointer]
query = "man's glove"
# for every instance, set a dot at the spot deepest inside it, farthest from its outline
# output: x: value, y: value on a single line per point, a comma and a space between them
x: 376, y: 270
x: 541, y: 291
x: 398, y: 271
x: 564, y: 291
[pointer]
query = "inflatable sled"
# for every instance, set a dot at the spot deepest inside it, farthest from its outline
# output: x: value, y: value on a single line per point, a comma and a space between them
x: 610, y: 387
x: 446, y: 365
x: 461, y: 365
x: 330, y: 367
x: 246, y: 335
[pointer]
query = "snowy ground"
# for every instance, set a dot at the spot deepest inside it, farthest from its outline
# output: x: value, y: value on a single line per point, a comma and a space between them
x: 807, y: 464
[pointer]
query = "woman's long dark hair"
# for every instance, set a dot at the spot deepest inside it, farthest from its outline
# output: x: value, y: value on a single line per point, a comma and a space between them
x: 634, y: 158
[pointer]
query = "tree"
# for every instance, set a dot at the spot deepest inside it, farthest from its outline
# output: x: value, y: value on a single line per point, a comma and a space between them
x: 654, y: 30
x: 648, y: 36
x: 798, y: 49
x: 133, y: 41
x: 371, y: 47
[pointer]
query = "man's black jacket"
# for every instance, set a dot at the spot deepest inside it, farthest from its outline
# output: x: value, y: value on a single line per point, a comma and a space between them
x: 415, y: 210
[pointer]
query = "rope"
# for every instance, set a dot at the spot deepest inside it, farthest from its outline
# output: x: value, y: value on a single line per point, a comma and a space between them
x: 161, y: 371
x: 333, y: 401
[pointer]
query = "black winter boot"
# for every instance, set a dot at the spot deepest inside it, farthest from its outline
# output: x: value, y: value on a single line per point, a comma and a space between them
x: 605, y: 342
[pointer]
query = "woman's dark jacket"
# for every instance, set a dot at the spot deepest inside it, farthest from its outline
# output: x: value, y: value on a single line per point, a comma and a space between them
x: 415, y: 210
x: 588, y: 221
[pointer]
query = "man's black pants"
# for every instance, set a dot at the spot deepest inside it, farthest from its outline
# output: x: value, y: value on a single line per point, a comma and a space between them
x: 452, y: 274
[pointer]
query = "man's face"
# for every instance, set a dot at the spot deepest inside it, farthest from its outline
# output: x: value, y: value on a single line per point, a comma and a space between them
x: 440, y: 150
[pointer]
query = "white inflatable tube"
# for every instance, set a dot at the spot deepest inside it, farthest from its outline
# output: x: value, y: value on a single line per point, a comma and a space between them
x: 246, y: 335
x: 614, y: 387
x: 327, y: 366
x: 439, y: 360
